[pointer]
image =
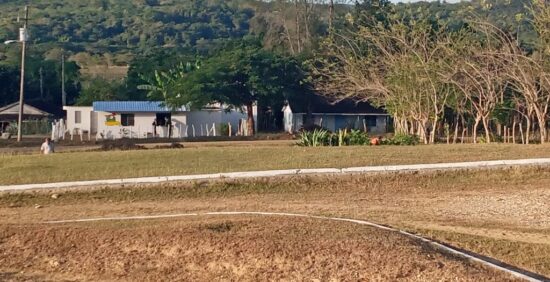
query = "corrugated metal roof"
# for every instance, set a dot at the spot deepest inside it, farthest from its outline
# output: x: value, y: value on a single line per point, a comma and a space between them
x: 28, y: 110
x: 134, y: 107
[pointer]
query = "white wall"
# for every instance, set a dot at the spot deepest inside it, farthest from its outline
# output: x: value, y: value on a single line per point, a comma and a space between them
x: 142, y: 128
x: 143, y: 123
x: 202, y: 119
x: 86, y: 117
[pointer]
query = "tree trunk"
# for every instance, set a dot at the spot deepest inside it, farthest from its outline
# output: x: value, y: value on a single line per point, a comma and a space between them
x: 505, y: 138
x: 434, y: 130
x: 330, y: 14
x: 455, y: 135
x: 542, y: 129
x: 528, y: 131
x: 41, y: 83
x: 487, y: 130
x: 422, y: 132
x: 474, y: 130
x: 250, y: 121
x: 514, y: 131
x: 521, y: 133
x: 298, y: 31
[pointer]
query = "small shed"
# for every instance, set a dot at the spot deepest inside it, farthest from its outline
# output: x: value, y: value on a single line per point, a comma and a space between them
x: 10, y: 113
x: 335, y: 116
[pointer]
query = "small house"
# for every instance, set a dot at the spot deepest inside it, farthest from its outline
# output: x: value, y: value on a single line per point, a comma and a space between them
x: 33, y: 118
x: 145, y: 119
x: 346, y: 114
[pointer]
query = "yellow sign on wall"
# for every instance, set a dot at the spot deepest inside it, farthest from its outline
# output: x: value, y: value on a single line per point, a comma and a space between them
x: 110, y: 120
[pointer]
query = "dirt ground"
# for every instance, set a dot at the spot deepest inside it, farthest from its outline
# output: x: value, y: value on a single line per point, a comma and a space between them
x: 228, y: 249
x: 501, y: 213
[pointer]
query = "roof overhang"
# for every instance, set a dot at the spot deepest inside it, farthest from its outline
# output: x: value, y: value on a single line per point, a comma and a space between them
x: 135, y: 107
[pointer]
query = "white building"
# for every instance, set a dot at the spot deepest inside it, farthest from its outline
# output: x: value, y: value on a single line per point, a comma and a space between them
x: 143, y: 119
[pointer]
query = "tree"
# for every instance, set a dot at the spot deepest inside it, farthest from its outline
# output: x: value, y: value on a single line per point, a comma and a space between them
x: 393, y: 64
x: 9, y: 88
x: 479, y: 72
x: 240, y: 75
x: 163, y: 85
x: 100, y: 90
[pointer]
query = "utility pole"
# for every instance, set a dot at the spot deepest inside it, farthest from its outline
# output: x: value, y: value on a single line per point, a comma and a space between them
x: 330, y: 14
x: 41, y: 72
x: 23, y: 37
x: 63, y: 94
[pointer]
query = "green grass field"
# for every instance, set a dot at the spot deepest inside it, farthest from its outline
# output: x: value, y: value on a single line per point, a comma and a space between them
x: 22, y: 169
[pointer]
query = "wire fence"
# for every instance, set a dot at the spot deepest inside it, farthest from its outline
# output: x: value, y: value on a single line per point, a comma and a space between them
x: 31, y: 127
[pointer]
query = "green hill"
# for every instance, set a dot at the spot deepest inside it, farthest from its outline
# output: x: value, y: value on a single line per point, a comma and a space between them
x: 103, y: 37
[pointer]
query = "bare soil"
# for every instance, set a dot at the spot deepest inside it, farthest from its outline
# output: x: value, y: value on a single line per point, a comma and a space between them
x: 229, y: 249
x: 500, y: 213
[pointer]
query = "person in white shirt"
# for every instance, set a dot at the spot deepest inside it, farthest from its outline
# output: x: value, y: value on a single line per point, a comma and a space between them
x: 47, y: 147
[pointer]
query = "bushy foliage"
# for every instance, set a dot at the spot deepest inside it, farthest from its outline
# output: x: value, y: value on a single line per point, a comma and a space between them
x: 322, y: 137
x: 129, y: 25
x: 315, y: 138
x: 402, y: 139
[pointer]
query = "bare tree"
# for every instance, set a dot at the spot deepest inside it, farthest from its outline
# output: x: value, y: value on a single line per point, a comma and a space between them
x: 396, y: 67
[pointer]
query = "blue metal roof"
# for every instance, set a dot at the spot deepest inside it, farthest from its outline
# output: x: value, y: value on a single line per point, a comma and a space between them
x: 134, y: 107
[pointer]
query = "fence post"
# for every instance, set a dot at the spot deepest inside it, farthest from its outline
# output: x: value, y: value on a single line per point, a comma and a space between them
x: 229, y: 129
x: 193, y: 129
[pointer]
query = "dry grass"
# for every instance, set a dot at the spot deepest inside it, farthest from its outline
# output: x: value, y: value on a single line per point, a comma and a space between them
x: 499, y: 213
x: 19, y: 169
x: 228, y: 249
x: 532, y: 254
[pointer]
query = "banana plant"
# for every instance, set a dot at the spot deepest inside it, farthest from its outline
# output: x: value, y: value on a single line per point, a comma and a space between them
x: 163, y: 83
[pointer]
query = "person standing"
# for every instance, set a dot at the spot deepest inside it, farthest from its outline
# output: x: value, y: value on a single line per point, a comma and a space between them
x: 47, y: 147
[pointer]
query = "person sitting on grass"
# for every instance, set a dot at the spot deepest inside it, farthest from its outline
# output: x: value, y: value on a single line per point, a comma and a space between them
x: 47, y: 147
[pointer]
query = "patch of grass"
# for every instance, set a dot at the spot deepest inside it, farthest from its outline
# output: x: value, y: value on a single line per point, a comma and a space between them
x: 163, y: 192
x: 398, y: 183
x: 21, y: 169
x: 533, y: 257
x: 220, y: 227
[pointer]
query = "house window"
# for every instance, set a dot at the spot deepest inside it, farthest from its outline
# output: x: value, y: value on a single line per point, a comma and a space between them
x: 127, y: 119
x: 371, y: 121
x: 77, y: 117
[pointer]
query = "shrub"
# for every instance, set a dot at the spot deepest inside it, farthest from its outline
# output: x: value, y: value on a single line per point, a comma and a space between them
x: 358, y: 137
x: 315, y: 138
x: 402, y: 139
x: 322, y: 137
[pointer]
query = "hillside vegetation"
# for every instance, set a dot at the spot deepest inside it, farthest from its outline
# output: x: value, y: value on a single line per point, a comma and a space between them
x: 109, y: 31
x: 112, y: 47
